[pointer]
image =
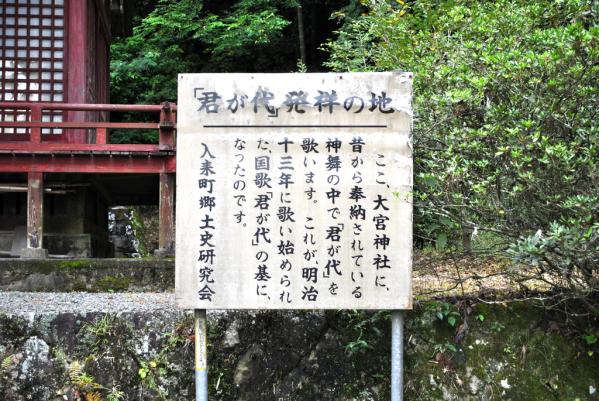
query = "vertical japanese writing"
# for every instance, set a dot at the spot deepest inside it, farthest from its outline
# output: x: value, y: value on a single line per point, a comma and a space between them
x: 207, y: 204
x: 334, y: 228
x: 285, y: 218
x: 309, y: 271
x: 239, y: 180
x: 381, y: 262
x: 262, y: 209
x: 357, y: 215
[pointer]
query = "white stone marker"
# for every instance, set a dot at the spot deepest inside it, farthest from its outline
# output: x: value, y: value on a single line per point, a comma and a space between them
x: 294, y: 191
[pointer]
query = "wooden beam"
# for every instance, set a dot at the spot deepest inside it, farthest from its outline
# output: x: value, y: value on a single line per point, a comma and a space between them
x: 76, y: 147
x: 75, y: 124
x: 19, y: 188
x: 86, y: 106
x: 85, y: 163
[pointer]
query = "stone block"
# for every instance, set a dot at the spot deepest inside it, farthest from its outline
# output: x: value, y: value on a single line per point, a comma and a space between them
x: 34, y: 253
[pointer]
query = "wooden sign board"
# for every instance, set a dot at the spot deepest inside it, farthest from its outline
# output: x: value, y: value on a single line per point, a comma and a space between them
x: 294, y: 191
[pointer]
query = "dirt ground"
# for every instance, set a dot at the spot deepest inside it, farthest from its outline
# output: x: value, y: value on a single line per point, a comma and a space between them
x: 460, y: 275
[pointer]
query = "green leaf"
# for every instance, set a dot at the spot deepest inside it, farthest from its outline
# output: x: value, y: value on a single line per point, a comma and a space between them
x: 590, y: 339
x: 441, y: 242
x: 451, y: 347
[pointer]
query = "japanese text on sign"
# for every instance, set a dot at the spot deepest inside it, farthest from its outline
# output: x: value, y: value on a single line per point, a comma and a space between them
x: 293, y: 191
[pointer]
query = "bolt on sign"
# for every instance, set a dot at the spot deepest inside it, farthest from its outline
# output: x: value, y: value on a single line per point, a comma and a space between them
x: 294, y: 191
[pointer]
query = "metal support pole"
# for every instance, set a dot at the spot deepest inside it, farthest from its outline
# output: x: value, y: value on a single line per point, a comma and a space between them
x: 201, y: 335
x: 397, y: 355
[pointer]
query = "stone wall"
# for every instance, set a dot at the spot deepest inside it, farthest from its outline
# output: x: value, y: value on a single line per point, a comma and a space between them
x: 490, y: 352
x: 92, y: 275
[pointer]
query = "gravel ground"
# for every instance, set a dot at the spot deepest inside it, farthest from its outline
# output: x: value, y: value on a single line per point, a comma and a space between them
x: 430, y: 278
x: 25, y: 303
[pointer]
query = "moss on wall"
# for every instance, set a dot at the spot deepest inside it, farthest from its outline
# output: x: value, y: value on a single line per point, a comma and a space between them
x: 93, y: 275
x: 455, y: 350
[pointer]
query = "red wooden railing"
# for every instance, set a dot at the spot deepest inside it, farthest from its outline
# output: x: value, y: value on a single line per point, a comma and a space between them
x: 36, y: 142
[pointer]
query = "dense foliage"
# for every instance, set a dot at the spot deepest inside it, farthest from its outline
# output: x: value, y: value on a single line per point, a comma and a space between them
x: 180, y: 37
x: 209, y: 36
x: 177, y: 36
x: 506, y: 135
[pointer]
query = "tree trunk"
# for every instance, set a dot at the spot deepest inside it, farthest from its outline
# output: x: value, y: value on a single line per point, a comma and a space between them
x: 300, y: 28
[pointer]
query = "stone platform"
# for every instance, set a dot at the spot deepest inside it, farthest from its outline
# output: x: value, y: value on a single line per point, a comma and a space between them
x: 92, y: 275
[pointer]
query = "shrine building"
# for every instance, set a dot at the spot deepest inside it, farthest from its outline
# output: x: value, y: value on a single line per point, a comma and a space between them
x: 59, y: 171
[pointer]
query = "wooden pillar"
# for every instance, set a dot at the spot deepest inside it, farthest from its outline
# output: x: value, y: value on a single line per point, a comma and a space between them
x: 166, y: 215
x: 35, y: 217
x: 78, y: 73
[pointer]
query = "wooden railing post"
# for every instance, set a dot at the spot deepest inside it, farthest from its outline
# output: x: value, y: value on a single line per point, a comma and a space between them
x: 36, y: 132
x: 166, y: 128
x: 101, y: 137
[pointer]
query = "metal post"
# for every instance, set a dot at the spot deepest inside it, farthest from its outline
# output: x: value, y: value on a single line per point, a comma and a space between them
x: 397, y: 355
x: 201, y: 355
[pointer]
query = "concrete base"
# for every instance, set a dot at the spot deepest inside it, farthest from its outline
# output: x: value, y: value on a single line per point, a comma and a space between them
x: 164, y: 253
x: 34, y: 253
